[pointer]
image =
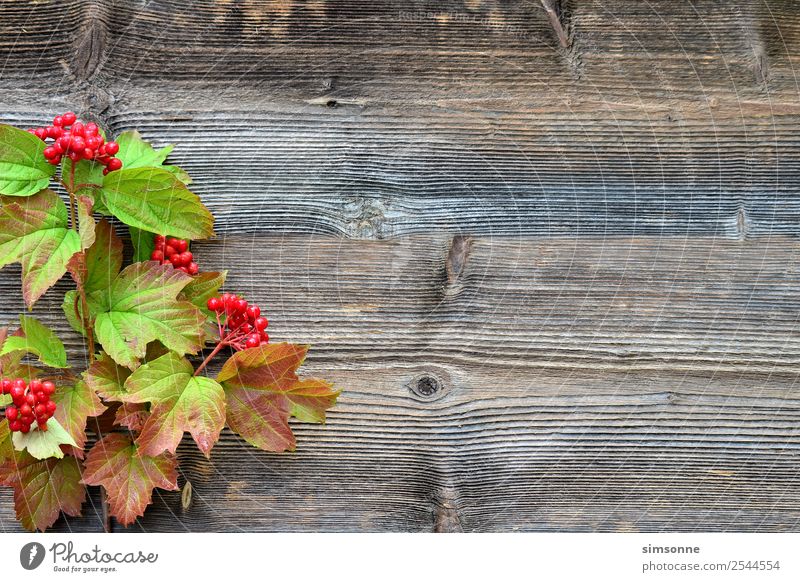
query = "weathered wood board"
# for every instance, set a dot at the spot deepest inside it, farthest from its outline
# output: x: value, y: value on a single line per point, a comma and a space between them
x: 559, y: 286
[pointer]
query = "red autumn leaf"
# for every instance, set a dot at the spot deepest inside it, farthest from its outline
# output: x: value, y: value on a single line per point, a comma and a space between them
x: 43, y: 489
x: 132, y: 416
x: 127, y: 476
x: 263, y: 390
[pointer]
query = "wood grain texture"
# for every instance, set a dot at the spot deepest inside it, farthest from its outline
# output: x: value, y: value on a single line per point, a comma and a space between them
x: 578, y: 384
x: 557, y: 284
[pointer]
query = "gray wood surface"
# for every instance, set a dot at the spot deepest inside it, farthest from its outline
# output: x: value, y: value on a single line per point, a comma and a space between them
x: 558, y: 284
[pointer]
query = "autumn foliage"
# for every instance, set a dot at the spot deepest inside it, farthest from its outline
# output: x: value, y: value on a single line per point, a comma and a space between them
x: 149, y: 333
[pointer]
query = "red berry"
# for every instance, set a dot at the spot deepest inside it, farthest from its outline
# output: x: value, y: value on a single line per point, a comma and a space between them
x: 68, y: 118
x: 253, y: 341
x: 54, y: 161
x: 26, y: 410
x: 40, y: 132
x: 173, y: 242
x: 114, y: 164
x: 241, y: 306
x: 40, y: 410
x: 264, y: 337
x: 184, y: 269
x: 54, y: 132
x: 214, y: 304
x: 6, y: 386
x: 74, y: 156
x: 193, y: 269
x: 48, y: 387
x: 253, y: 312
x: 30, y: 398
x: 15, y: 426
x: 169, y: 251
x: 58, y: 120
x: 36, y: 385
x: 112, y: 148
x: 176, y: 260
x: 78, y: 129
x: 186, y: 258
x: 77, y: 144
x: 260, y: 323
x: 157, y: 256
x: 90, y: 129
x: 17, y: 393
x: 40, y: 397
x: 159, y: 239
x: 25, y: 428
x: 51, y: 407
x: 42, y: 424
x: 11, y: 413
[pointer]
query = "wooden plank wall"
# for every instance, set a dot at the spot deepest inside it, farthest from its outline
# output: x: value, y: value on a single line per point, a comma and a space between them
x: 559, y: 285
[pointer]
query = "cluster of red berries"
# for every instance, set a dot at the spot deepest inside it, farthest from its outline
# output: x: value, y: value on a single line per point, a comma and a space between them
x: 31, y: 403
x: 78, y: 142
x: 174, y: 251
x: 243, y: 327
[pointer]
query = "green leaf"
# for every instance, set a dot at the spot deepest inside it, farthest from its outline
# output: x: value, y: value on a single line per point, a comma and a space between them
x: 74, y: 405
x: 69, y: 306
x: 86, y: 224
x: 24, y: 171
x: 6, y: 446
x: 34, y: 233
x: 263, y: 390
x: 154, y: 200
x: 43, y: 489
x: 128, y: 476
x: 310, y: 398
x: 141, y: 306
x: 11, y: 365
x: 203, y: 287
x: 37, y: 339
x: 137, y: 153
x: 143, y: 244
x: 181, y: 402
x: 43, y: 444
x: 100, y: 265
x: 107, y: 378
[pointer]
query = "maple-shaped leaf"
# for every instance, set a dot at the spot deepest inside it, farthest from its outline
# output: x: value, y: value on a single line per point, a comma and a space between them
x: 43, y: 444
x: 180, y: 402
x: 267, y: 367
x: 132, y: 416
x: 141, y: 306
x: 263, y: 390
x: 92, y: 271
x: 310, y: 398
x: 128, y: 476
x: 11, y: 365
x: 6, y: 446
x: 38, y: 339
x: 203, y: 287
x: 24, y: 171
x: 106, y: 377
x: 43, y: 489
x: 74, y: 405
x: 34, y: 232
x: 154, y: 200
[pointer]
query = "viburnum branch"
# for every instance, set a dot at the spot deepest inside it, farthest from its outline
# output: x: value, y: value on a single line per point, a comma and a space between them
x: 146, y: 317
